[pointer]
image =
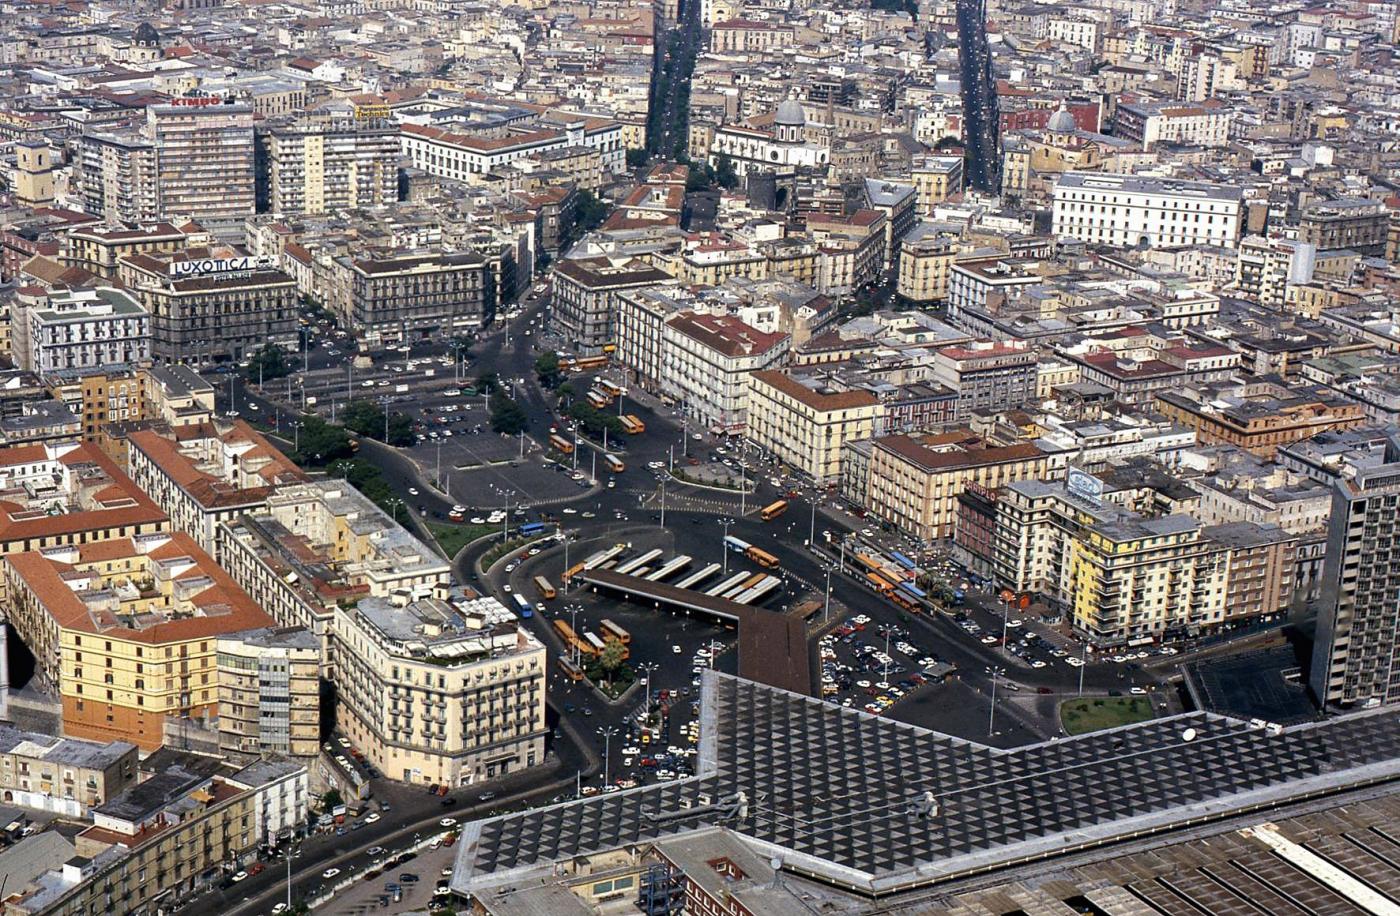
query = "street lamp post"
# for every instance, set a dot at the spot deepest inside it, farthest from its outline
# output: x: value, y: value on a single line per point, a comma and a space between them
x: 724, y: 554
x: 647, y: 668
x: 573, y: 610
x: 812, y: 526
x: 995, y: 672
x: 607, y: 731
x: 826, y: 614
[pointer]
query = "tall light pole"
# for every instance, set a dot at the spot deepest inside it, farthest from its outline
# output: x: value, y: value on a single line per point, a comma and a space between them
x: 724, y: 554
x: 995, y: 672
x: 573, y: 610
x: 826, y: 614
x: 647, y: 668
x: 812, y: 526
x: 607, y: 731
x: 1083, y: 660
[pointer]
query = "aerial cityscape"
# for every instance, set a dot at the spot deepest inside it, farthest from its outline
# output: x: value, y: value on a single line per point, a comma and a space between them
x: 700, y: 457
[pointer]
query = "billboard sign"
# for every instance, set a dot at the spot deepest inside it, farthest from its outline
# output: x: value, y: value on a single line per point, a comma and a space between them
x: 1085, y: 485
x: 204, y: 267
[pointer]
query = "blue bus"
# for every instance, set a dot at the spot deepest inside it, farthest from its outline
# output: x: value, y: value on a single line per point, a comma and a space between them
x: 901, y: 559
x: 523, y: 606
x: 532, y: 528
x: 735, y: 544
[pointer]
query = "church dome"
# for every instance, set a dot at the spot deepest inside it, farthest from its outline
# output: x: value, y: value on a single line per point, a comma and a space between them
x: 790, y: 112
x: 146, y: 34
x: 1062, y: 122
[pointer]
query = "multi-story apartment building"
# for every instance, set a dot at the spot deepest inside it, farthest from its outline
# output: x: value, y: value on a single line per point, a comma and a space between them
x: 116, y: 176
x: 206, y: 473
x: 1267, y: 267
x: 973, y: 283
x: 925, y: 265
x: 987, y: 375
x: 270, y: 693
x: 1151, y: 122
x: 913, y: 482
x: 1126, y: 578
x: 750, y: 35
x: 464, y: 157
x: 1259, y: 417
x: 412, y: 297
x: 1356, y: 655
x: 936, y: 178
x: 127, y: 630
x: 440, y: 690
x: 167, y: 838
x: 1131, y: 210
x: 314, y: 546
x: 63, y: 775
x: 68, y: 493
x: 641, y: 315
x: 99, y: 249
x: 204, y: 160
x: 335, y: 157
x: 212, y: 304
x: 1358, y: 224
x: 584, y: 297
x: 81, y: 329
x: 807, y: 421
x: 705, y: 365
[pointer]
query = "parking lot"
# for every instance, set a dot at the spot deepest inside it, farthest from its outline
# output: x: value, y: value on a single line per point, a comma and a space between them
x: 873, y: 666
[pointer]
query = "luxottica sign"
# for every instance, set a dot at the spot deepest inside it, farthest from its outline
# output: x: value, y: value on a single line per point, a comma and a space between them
x: 203, y: 267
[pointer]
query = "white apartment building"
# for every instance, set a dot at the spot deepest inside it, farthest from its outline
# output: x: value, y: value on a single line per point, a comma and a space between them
x: 1131, y: 210
x: 705, y: 366
x: 1150, y: 123
x: 465, y: 157
x: 81, y: 329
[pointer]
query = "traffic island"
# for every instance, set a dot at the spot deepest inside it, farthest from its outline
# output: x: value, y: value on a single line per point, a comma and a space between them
x: 1092, y: 714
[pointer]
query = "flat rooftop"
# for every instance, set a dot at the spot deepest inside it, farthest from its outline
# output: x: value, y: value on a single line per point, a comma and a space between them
x: 878, y: 807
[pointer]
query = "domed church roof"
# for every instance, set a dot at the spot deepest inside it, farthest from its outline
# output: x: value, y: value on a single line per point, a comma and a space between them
x: 146, y: 34
x: 1062, y: 122
x: 790, y: 112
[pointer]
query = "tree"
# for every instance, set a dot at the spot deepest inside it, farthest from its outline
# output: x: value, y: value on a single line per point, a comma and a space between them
x: 268, y: 363
x: 636, y: 158
x: 363, y: 417
x: 547, y: 369
x: 725, y: 176
x: 611, y: 658
x: 507, y: 416
x: 320, y: 443
x: 589, y: 213
x: 331, y: 799
x: 488, y: 382
x: 701, y: 177
x: 594, y: 421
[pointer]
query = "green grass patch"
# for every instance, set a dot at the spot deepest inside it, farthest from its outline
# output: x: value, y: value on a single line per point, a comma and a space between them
x: 1092, y: 714
x: 452, y: 538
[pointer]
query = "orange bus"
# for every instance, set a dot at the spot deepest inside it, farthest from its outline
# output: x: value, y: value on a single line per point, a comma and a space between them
x: 633, y: 424
x: 561, y: 445
x: 761, y: 557
x: 774, y: 510
x: 544, y: 588
x: 613, y: 631
x: 571, y: 671
x: 614, y: 464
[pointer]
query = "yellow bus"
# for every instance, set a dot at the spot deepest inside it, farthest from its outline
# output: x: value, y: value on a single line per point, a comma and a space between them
x: 614, y: 464
x: 544, y: 588
x: 562, y: 445
x: 774, y: 510
x: 613, y: 631
x: 613, y: 389
x: 761, y: 557
x: 633, y: 425
x: 571, y: 671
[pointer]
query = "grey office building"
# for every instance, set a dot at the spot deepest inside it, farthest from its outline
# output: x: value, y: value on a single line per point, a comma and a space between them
x: 1356, y: 658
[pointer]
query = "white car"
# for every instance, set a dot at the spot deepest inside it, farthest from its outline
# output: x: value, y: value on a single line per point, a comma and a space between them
x: 412, y: 491
x: 1074, y: 662
x: 371, y: 817
x: 448, y: 822
x: 239, y: 877
x: 330, y: 873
